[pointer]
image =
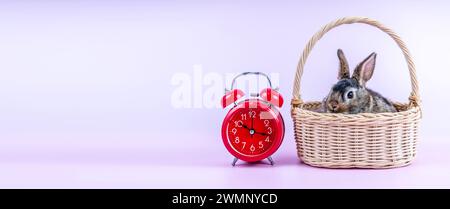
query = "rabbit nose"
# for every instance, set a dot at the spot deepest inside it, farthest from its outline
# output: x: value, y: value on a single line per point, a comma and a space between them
x: 333, y: 105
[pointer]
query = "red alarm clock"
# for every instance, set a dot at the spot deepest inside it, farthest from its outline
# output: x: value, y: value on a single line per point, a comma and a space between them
x: 253, y: 129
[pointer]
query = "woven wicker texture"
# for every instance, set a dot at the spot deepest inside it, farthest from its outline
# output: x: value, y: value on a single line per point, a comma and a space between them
x: 365, y: 140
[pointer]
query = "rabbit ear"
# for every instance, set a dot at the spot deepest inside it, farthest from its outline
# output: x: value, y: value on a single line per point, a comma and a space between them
x: 364, y: 70
x: 344, y: 71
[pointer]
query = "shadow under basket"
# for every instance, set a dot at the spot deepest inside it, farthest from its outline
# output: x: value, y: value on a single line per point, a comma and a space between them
x: 365, y: 140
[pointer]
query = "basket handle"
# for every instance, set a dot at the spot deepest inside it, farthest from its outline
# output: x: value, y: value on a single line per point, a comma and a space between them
x: 414, y: 97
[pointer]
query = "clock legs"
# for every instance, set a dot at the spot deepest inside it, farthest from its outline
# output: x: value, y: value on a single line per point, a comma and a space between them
x: 269, y: 158
x: 234, y: 161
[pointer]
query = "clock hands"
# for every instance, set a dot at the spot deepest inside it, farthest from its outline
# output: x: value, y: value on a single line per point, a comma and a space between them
x: 251, y: 135
x: 246, y: 127
x: 264, y: 134
x: 253, y: 132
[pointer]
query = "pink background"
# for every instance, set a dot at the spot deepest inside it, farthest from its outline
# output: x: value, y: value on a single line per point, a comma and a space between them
x: 85, y: 92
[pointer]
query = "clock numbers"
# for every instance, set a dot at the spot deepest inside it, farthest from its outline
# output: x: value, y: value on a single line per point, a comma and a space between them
x: 252, y: 148
x: 269, y: 130
x: 252, y: 114
x: 243, y: 144
x: 252, y: 132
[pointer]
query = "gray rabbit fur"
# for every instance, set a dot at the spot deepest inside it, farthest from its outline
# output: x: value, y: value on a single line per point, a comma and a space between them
x: 350, y: 94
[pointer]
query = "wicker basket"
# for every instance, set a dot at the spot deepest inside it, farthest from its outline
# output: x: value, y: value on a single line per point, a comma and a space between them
x: 365, y: 140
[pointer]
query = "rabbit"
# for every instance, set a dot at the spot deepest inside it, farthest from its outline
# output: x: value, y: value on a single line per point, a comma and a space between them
x: 350, y: 95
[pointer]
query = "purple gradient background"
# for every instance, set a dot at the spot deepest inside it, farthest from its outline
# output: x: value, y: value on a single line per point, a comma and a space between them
x: 85, y: 89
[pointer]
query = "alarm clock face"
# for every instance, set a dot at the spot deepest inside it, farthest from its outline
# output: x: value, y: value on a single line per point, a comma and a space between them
x: 253, y: 130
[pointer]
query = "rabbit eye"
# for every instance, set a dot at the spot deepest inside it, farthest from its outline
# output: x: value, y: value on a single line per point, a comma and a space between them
x: 350, y: 95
